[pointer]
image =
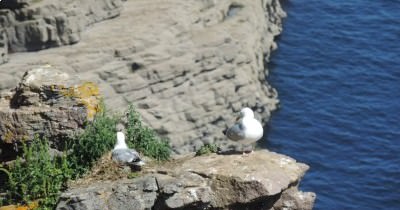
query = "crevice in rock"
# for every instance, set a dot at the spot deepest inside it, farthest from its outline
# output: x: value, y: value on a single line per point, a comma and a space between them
x: 259, y: 204
x: 200, y: 174
x: 217, y: 121
x: 17, y: 99
x: 234, y: 9
x: 12, y: 4
x: 237, y: 87
x: 136, y: 66
x: 159, y: 203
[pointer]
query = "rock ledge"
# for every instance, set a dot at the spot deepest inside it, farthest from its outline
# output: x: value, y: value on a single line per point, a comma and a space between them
x: 263, y: 180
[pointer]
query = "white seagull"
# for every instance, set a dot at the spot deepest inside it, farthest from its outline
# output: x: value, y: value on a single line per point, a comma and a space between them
x: 122, y: 154
x: 246, y: 130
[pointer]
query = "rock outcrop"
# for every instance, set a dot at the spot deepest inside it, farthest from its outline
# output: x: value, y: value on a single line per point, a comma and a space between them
x: 181, y: 62
x: 48, y: 103
x: 263, y: 180
x: 39, y: 24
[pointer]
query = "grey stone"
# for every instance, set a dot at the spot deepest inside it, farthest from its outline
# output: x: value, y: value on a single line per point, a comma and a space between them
x: 263, y: 180
x: 35, y: 25
x: 293, y: 199
x: 7, y: 81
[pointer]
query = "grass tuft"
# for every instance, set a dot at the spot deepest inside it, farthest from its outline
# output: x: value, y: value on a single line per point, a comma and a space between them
x: 144, y: 139
x: 97, y: 139
x: 207, y: 149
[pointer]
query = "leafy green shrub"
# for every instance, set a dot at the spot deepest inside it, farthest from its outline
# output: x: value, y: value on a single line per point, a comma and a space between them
x: 97, y: 139
x: 207, y: 149
x: 144, y: 139
x: 36, y: 175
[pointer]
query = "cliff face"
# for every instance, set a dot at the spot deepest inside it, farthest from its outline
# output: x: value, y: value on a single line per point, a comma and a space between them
x: 186, y: 65
x: 39, y: 24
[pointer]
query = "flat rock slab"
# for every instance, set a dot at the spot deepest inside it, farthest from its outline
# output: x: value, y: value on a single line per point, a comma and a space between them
x: 273, y: 171
x: 263, y: 180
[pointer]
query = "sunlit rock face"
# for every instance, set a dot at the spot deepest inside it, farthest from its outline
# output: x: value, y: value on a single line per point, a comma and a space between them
x: 188, y: 66
x: 46, y: 103
x: 263, y: 180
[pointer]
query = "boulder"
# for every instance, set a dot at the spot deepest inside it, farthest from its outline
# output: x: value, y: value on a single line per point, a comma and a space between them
x: 263, y: 180
x: 48, y: 103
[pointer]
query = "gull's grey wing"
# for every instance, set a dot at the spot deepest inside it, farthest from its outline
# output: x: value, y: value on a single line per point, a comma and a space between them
x: 125, y: 155
x: 236, y: 132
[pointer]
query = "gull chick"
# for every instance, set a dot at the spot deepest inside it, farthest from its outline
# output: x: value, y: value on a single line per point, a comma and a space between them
x: 123, y: 155
x: 247, y: 129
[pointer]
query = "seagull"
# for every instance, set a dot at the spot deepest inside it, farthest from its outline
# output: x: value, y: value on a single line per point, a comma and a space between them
x: 246, y: 130
x: 123, y: 155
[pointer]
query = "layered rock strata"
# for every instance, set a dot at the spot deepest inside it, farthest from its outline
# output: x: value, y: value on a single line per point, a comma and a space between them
x: 188, y: 66
x: 39, y: 24
x: 264, y: 180
x: 3, y: 47
x: 46, y: 103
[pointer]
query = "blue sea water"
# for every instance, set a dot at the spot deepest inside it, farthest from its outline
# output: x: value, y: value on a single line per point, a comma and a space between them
x: 337, y: 71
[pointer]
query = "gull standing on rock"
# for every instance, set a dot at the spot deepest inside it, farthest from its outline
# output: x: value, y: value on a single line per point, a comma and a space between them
x: 122, y: 154
x: 246, y: 130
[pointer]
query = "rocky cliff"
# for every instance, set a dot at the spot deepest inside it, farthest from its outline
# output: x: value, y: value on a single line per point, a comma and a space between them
x: 261, y: 181
x: 188, y: 63
x: 39, y: 24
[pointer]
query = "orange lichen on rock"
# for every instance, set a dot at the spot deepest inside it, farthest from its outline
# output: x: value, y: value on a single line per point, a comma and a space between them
x: 31, y: 206
x: 87, y: 94
x: 8, y: 137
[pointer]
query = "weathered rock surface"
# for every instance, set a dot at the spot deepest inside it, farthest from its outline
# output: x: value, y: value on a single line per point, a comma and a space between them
x: 39, y: 24
x: 3, y: 47
x: 264, y: 180
x: 187, y: 65
x: 48, y: 103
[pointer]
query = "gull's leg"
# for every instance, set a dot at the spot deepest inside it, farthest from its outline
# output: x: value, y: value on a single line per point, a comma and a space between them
x: 249, y: 152
x: 246, y: 153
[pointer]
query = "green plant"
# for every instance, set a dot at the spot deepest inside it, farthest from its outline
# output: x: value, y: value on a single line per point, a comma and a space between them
x: 36, y: 176
x: 207, y: 149
x: 144, y: 139
x: 97, y: 139
x: 133, y: 175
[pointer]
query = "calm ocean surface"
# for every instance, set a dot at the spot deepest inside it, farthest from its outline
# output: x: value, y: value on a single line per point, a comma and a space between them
x: 337, y: 71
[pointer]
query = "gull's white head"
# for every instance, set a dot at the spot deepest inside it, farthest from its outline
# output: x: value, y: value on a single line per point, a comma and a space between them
x: 246, y: 112
x: 120, y: 141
